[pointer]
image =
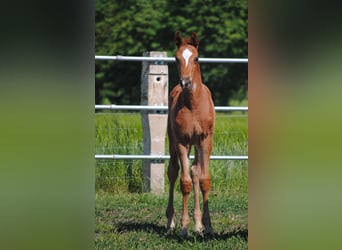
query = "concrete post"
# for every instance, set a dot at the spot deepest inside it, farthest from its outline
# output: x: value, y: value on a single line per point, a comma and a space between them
x: 154, y: 92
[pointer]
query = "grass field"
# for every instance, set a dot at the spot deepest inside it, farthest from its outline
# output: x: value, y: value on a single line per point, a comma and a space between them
x: 126, y: 218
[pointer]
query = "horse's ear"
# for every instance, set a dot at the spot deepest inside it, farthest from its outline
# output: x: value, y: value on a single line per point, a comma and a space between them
x: 178, y: 38
x: 194, y: 40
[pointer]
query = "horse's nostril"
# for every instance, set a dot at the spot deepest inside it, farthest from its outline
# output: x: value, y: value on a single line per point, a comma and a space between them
x: 186, y: 82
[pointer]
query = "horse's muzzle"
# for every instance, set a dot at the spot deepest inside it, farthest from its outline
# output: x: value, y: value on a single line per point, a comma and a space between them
x: 186, y: 83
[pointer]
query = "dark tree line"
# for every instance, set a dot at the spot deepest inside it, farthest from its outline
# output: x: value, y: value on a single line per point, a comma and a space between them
x: 133, y: 27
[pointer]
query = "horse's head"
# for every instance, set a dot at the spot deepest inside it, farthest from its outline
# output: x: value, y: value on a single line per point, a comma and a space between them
x: 187, y: 60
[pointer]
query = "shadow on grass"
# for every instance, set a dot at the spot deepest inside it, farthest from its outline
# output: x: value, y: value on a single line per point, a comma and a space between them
x: 162, y: 232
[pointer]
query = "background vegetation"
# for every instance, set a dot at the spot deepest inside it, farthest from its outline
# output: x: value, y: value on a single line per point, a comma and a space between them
x: 133, y: 27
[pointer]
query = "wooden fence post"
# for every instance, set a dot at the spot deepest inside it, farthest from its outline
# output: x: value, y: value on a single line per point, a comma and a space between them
x: 154, y: 92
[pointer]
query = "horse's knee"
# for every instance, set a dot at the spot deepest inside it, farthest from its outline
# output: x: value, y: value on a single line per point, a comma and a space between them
x: 195, y: 171
x: 205, y: 184
x: 186, y: 185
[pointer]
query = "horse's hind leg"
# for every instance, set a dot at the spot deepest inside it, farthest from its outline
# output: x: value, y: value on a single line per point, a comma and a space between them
x: 172, y: 174
x: 195, y: 175
x: 205, y: 187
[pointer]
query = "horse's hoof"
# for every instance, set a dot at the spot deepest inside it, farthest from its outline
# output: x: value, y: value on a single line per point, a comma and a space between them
x: 208, y: 232
x: 199, y: 234
x: 184, y: 233
x: 198, y: 228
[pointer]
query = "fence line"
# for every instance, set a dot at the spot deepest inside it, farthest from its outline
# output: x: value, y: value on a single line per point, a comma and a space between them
x: 169, y: 59
x: 161, y: 60
x: 165, y: 157
x: 162, y: 108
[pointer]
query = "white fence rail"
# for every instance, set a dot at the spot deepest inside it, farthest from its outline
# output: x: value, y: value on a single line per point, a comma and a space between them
x: 165, y: 157
x: 170, y: 59
x: 161, y: 108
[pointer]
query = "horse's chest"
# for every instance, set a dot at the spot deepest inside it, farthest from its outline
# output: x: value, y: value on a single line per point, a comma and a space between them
x: 190, y: 128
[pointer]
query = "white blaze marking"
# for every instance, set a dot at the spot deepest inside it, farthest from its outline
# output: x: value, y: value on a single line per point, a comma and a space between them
x: 186, y: 55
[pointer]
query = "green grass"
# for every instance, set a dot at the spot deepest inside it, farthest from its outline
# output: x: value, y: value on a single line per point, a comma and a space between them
x: 126, y: 218
x: 118, y: 133
x: 137, y: 221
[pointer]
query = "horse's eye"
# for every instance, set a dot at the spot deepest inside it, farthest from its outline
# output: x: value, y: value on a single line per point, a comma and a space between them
x: 196, y: 59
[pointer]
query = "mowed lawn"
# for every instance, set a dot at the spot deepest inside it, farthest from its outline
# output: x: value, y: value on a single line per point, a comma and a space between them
x: 126, y: 218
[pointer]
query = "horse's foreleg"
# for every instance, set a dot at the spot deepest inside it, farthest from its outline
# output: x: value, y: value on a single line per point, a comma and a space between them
x: 186, y: 185
x: 205, y: 184
x: 172, y: 174
x: 205, y: 187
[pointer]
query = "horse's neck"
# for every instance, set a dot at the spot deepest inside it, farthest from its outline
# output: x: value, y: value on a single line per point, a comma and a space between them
x: 197, y: 81
x: 192, y: 96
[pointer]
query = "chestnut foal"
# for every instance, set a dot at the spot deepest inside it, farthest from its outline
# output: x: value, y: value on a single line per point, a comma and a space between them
x: 191, y: 121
